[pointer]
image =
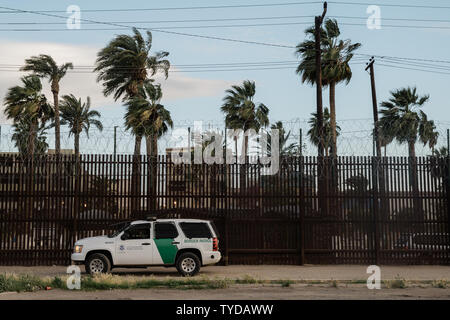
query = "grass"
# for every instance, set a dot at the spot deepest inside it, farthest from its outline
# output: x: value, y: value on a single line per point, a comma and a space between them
x: 396, y: 283
x: 29, y: 283
x: 442, y: 284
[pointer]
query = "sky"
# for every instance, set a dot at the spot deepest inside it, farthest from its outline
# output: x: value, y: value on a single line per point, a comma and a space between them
x: 193, y: 96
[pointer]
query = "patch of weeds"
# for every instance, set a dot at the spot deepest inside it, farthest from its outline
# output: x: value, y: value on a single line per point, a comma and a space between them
x: 218, y: 284
x: 21, y: 283
x: 334, y: 283
x: 109, y: 282
x: 247, y: 279
x: 441, y: 284
x: 286, y: 283
x: 396, y: 283
x: 57, y: 283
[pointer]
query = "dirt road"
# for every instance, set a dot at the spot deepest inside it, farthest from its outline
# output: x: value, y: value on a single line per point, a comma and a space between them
x: 241, y: 292
x: 268, y: 272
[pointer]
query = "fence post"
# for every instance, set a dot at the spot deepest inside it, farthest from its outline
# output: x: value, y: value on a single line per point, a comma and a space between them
x: 375, y: 176
x: 302, y: 212
x: 447, y: 189
x: 226, y: 253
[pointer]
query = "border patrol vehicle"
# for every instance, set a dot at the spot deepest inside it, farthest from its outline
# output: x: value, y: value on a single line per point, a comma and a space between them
x: 186, y: 244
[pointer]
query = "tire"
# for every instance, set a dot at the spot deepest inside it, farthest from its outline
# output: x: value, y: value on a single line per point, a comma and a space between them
x: 188, y: 264
x: 97, y: 263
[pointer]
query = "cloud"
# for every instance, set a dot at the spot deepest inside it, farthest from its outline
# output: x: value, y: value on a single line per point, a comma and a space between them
x: 177, y: 86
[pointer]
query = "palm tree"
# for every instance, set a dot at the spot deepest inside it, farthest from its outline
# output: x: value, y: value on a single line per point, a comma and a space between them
x: 124, y: 64
x: 241, y: 112
x: 336, y: 56
x: 78, y: 116
x: 123, y: 67
x: 285, y: 148
x: 28, y: 105
x: 146, y: 116
x: 313, y: 132
x: 22, y: 133
x: 45, y: 67
x: 402, y: 119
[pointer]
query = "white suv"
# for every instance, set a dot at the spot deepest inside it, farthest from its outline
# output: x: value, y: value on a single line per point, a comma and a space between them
x: 186, y: 244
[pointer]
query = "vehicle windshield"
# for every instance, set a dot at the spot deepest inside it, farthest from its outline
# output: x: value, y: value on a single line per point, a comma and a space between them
x: 120, y: 227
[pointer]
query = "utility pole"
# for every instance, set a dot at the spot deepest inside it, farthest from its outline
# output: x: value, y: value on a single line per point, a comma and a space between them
x: 318, y: 24
x: 321, y: 170
x: 378, y: 172
x: 115, y: 140
x: 375, y: 107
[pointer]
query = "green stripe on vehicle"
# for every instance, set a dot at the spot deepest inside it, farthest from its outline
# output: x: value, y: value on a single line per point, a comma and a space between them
x: 166, y: 250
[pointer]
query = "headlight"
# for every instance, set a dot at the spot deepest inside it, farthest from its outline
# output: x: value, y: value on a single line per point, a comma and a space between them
x: 77, y: 249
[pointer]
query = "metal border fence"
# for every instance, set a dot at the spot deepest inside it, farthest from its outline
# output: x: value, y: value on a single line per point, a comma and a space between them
x: 348, y: 210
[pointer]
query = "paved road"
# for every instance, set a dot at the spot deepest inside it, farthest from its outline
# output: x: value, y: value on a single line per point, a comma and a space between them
x: 269, y: 272
x: 241, y: 292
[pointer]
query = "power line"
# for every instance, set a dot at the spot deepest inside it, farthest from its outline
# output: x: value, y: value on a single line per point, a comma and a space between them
x: 389, y: 5
x: 230, y: 19
x: 182, y: 8
x: 189, y: 70
x: 218, y: 26
x: 415, y: 69
x: 242, y: 6
x: 158, y: 30
x: 401, y: 58
x: 206, y: 37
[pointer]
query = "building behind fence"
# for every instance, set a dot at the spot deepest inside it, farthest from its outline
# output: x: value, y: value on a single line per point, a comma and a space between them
x: 354, y: 210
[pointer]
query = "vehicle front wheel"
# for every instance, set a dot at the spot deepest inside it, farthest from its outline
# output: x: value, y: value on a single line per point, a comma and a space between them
x: 188, y: 264
x: 97, y: 263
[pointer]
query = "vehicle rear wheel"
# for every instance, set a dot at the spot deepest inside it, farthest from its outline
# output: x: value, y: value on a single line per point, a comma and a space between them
x: 188, y: 264
x: 97, y: 263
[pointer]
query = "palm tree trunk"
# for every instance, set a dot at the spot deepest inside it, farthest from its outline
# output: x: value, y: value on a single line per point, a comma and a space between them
x: 413, y: 178
x: 136, y: 176
x: 243, y: 167
x: 77, y: 145
x: 151, y: 185
x: 137, y: 145
x: 155, y: 146
x: 333, y: 119
x: 32, y: 138
x: 55, y: 92
x: 154, y: 170
x: 148, y: 145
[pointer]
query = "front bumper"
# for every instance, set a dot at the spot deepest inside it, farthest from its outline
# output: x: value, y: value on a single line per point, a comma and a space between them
x: 77, y: 257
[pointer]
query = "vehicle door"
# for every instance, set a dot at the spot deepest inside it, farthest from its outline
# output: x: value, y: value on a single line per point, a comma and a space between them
x: 134, y: 245
x: 197, y: 235
x: 167, y: 242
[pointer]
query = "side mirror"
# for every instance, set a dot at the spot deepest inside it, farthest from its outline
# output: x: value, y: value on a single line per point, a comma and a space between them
x: 124, y: 236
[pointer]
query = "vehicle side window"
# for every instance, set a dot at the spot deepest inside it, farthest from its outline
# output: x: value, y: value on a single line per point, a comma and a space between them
x: 139, y: 231
x: 165, y: 230
x: 196, y: 230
